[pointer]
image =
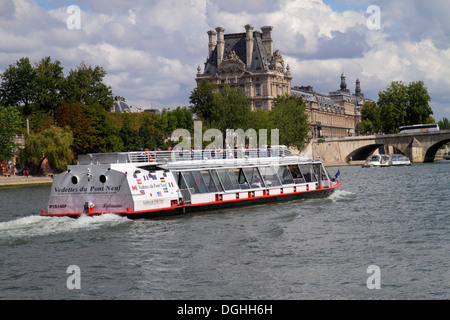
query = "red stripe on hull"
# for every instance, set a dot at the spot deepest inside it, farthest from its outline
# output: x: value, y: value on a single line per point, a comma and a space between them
x: 185, y: 208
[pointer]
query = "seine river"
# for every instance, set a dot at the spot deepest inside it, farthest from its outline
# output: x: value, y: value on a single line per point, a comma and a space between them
x: 396, y: 220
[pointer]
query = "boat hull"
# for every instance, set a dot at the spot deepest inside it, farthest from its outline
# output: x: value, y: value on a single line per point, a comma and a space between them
x: 216, y: 205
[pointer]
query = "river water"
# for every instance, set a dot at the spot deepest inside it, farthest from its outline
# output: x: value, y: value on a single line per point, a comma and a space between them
x: 397, y: 219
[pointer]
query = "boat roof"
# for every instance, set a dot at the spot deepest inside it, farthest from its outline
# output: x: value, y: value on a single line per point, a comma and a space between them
x: 185, y: 159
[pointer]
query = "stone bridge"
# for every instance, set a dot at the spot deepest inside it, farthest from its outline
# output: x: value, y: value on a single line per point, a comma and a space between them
x: 418, y: 147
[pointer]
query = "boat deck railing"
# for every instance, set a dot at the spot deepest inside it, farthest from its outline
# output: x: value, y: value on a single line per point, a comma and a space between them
x: 171, y: 156
x: 206, y: 154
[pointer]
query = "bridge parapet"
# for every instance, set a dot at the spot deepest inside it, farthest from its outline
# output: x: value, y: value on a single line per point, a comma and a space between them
x: 419, y: 147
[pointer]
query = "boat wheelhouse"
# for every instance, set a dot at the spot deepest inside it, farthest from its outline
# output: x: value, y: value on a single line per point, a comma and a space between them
x: 377, y: 160
x: 154, y: 184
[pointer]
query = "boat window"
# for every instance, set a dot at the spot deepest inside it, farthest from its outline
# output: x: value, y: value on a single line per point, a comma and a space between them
x: 229, y: 182
x: 270, y: 176
x: 318, y: 168
x: 284, y: 174
x: 296, y: 174
x: 308, y: 172
x: 254, y: 177
x: 209, y: 182
x: 194, y: 182
x: 215, y: 178
x: 237, y: 175
x: 181, y: 182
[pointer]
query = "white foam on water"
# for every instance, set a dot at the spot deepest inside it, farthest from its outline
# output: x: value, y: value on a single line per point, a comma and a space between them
x: 342, y: 195
x: 40, y: 226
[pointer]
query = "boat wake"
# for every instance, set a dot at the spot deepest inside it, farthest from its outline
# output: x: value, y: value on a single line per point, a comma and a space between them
x: 33, y: 226
x: 342, y: 196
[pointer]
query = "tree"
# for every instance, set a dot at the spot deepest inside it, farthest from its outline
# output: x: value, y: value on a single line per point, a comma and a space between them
x: 130, y: 137
x: 202, y: 101
x: 444, y: 124
x: 370, y: 118
x: 365, y: 126
x: 393, y: 103
x: 9, y: 124
x: 74, y: 116
x: 52, y: 144
x: 231, y: 109
x: 418, y: 109
x: 85, y: 84
x: 404, y: 105
x: 18, y: 86
x: 289, y: 116
x: 49, y: 81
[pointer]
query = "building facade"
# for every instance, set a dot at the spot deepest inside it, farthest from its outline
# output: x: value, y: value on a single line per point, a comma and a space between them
x: 249, y: 61
x: 335, y: 114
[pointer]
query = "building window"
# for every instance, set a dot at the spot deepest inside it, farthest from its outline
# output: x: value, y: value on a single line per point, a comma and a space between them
x: 258, y: 105
x: 258, y: 89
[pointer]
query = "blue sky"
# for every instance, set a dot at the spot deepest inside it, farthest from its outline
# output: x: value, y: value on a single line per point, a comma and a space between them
x: 151, y: 49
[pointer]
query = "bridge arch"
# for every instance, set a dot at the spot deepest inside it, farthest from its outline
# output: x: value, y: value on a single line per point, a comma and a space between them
x: 362, y: 153
x: 431, y: 151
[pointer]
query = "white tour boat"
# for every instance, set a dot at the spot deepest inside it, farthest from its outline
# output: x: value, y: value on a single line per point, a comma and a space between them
x: 154, y: 184
x: 377, y: 160
x: 400, y: 160
x: 386, y: 160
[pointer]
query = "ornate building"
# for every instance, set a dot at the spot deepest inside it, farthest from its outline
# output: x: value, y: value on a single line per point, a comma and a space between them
x: 247, y: 60
x: 335, y: 114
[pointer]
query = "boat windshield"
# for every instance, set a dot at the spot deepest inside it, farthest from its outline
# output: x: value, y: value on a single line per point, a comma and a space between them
x: 284, y: 174
x: 270, y: 176
x: 296, y: 174
x: 308, y: 172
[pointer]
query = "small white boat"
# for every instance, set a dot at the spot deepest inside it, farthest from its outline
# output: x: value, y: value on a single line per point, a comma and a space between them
x: 378, y: 160
x: 400, y: 160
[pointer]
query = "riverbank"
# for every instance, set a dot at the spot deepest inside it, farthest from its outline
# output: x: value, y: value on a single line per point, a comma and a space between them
x: 24, y: 180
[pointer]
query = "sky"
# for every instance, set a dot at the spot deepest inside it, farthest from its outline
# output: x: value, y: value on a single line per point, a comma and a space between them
x: 151, y: 49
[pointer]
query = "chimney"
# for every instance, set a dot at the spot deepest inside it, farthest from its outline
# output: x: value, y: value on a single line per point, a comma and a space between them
x: 249, y: 44
x: 212, y: 41
x: 220, y: 45
x: 267, y: 40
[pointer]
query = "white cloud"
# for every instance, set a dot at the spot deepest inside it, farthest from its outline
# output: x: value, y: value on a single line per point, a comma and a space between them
x: 150, y: 50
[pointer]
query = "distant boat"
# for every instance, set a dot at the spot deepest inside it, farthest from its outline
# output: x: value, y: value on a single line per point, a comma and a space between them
x: 378, y: 160
x: 400, y: 160
x: 386, y: 160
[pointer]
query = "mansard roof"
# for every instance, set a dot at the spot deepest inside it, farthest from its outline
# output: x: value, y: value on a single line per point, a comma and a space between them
x: 236, y: 42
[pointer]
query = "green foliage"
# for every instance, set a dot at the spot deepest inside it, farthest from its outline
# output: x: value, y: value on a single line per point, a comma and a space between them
x: 75, y: 117
x: 9, y: 124
x: 444, y: 124
x: 289, y: 116
x: 403, y: 105
x: 18, y: 85
x: 52, y: 144
x: 371, y: 118
x: 202, y: 101
x: 49, y: 80
x: 130, y: 137
x: 85, y: 84
x: 231, y: 109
